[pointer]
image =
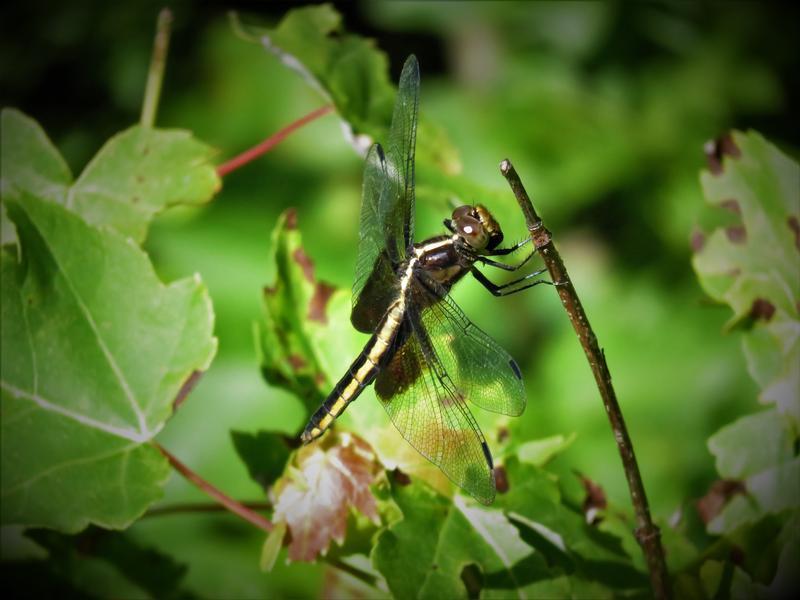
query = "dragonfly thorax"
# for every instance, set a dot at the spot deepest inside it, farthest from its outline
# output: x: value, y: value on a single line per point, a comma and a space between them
x: 476, y: 226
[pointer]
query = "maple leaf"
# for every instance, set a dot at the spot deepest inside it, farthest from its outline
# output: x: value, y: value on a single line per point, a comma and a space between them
x: 315, y: 494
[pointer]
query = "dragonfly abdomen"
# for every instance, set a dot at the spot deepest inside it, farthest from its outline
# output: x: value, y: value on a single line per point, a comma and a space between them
x: 361, y: 373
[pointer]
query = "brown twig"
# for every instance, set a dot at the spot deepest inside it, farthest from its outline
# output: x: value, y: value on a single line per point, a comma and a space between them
x: 226, y: 501
x: 155, y: 75
x: 647, y: 534
x: 245, y: 510
x: 272, y: 141
x: 203, y: 507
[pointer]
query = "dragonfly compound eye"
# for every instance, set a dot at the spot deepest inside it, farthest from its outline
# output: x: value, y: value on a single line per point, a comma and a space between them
x: 473, y: 232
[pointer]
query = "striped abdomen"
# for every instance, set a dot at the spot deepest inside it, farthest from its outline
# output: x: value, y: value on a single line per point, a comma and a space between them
x: 360, y: 374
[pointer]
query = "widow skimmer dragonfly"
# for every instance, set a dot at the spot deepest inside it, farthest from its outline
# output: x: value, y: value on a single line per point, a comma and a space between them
x: 425, y: 357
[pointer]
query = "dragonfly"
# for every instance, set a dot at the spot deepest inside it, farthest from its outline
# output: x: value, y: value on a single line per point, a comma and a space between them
x: 426, y: 359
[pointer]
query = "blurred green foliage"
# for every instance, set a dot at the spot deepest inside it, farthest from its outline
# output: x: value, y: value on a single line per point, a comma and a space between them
x: 604, y: 109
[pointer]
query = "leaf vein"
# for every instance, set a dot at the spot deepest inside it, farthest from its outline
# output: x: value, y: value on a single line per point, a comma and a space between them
x: 122, y: 432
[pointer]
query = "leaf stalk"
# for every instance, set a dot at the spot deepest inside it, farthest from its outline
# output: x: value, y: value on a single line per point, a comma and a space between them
x: 229, y: 503
x: 155, y: 75
x: 272, y: 141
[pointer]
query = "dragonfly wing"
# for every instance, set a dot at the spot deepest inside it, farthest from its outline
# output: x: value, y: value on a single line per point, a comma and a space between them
x: 386, y: 228
x: 431, y: 414
x: 400, y: 159
x: 484, y: 373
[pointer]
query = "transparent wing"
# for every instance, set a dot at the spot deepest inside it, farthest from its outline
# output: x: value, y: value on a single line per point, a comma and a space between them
x: 483, y: 372
x: 427, y: 409
x: 400, y: 161
x: 386, y: 227
x: 375, y: 283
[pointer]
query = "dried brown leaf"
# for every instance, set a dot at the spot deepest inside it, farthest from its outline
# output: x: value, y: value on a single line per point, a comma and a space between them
x: 316, y: 495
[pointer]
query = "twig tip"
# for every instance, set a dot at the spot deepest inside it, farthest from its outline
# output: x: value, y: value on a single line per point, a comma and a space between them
x: 505, y: 166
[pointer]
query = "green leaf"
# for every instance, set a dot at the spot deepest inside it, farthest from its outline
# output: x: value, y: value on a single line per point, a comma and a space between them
x: 752, y: 444
x: 272, y: 546
x: 561, y: 533
x: 30, y: 160
x: 135, y: 175
x: 141, y: 172
x: 39, y: 580
x: 754, y: 266
x: 95, y: 349
x: 349, y: 69
x: 354, y: 75
x: 539, y: 452
x: 443, y: 549
x: 156, y: 573
x: 264, y: 453
x: 295, y: 321
x: 424, y: 554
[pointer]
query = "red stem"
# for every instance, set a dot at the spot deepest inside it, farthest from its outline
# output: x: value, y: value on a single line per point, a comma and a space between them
x: 226, y: 501
x: 272, y: 141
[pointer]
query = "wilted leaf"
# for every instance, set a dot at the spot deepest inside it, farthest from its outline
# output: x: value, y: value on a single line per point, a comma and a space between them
x: 294, y: 326
x: 754, y: 266
x: 264, y: 453
x: 718, y: 495
x: 594, y: 500
x: 770, y: 491
x: 316, y: 494
x: 94, y: 350
x: 135, y: 175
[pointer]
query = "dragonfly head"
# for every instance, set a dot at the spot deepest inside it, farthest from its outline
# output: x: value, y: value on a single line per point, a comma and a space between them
x: 476, y: 226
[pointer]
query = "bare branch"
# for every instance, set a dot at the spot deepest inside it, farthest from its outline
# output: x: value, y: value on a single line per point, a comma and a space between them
x: 647, y: 534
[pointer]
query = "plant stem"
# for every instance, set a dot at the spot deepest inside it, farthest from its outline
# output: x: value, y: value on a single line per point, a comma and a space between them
x: 245, y: 510
x: 647, y: 534
x: 272, y: 141
x: 226, y: 501
x: 363, y: 576
x: 155, y: 75
x: 203, y: 507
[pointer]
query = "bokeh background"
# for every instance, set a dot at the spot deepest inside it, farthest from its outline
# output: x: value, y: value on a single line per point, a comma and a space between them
x: 604, y: 109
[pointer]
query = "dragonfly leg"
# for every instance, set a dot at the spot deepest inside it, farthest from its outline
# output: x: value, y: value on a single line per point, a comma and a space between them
x: 505, y: 267
x: 504, y: 251
x: 503, y: 290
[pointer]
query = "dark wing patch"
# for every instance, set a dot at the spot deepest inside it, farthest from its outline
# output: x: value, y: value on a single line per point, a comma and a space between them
x: 372, y: 256
x: 378, y: 291
x: 432, y: 416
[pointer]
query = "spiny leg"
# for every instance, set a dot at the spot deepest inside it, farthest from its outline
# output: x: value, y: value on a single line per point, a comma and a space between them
x: 505, y: 267
x: 502, y: 290
x: 504, y: 251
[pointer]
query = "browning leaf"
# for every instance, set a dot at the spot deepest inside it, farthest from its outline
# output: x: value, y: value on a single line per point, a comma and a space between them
x: 720, y: 492
x: 315, y: 496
